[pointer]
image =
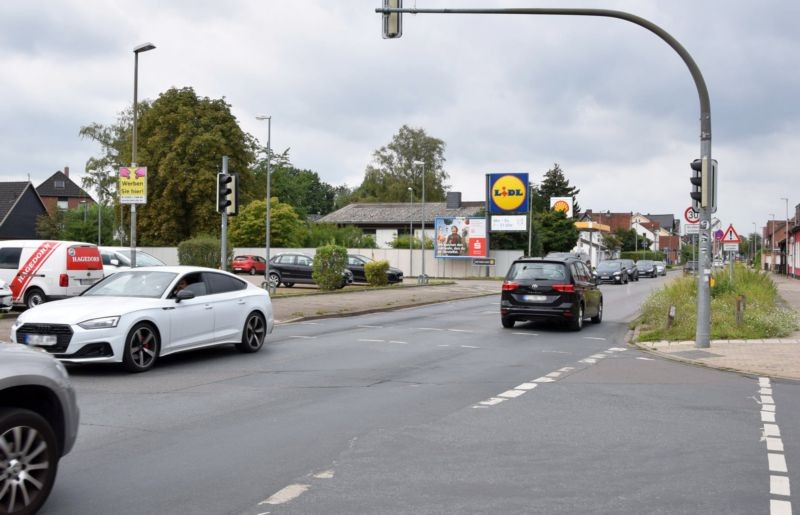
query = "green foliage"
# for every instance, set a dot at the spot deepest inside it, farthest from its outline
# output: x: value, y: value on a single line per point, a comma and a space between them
x: 347, y: 236
x: 392, y: 171
x: 375, y: 271
x: 557, y: 232
x: 554, y: 184
x: 631, y: 240
x: 404, y: 241
x: 249, y: 229
x: 202, y: 250
x: 79, y: 224
x: 764, y: 317
x: 303, y: 190
x: 643, y: 254
x: 688, y: 252
x: 329, y: 264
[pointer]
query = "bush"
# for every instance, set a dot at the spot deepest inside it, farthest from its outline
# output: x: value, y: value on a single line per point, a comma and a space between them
x: 329, y: 264
x: 376, y: 273
x: 405, y: 241
x: 642, y: 254
x: 202, y: 250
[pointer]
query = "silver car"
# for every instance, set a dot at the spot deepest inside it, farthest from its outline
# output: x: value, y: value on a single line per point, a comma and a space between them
x: 38, y: 425
x: 6, y: 297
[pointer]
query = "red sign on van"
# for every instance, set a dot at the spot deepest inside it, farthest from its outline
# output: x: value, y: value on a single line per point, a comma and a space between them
x: 31, y: 267
x: 84, y: 258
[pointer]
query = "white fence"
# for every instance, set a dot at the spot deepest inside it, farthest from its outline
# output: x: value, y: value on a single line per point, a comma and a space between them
x: 410, y: 262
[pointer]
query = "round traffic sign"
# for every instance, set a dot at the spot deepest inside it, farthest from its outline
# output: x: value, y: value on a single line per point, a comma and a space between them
x: 691, y: 216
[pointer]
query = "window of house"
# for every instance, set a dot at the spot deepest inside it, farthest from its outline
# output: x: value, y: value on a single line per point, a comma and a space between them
x: 59, y: 185
x: 63, y: 203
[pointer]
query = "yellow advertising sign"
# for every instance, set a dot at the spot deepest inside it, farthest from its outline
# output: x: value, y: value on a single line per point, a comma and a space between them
x: 133, y: 185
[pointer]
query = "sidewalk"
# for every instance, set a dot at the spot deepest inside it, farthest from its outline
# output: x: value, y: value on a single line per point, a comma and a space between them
x: 776, y: 358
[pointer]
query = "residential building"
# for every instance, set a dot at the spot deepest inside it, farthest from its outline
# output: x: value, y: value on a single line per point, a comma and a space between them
x: 60, y: 192
x: 20, y: 206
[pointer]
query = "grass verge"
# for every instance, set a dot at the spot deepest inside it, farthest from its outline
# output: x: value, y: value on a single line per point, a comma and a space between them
x: 765, y: 314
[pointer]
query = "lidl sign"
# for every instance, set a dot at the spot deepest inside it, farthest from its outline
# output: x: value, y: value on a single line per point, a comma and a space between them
x: 507, y: 192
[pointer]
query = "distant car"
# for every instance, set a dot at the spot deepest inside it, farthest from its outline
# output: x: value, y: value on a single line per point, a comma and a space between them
x: 6, y: 297
x: 661, y: 268
x: 38, y: 426
x: 630, y: 266
x: 550, y: 289
x: 250, y: 264
x: 611, y: 272
x: 582, y: 256
x: 356, y: 263
x: 138, y: 315
x: 718, y: 263
x: 290, y: 268
x: 646, y: 268
x: 116, y: 259
x: 690, y: 268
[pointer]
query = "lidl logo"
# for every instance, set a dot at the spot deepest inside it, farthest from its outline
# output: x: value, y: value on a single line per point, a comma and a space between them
x: 508, y: 192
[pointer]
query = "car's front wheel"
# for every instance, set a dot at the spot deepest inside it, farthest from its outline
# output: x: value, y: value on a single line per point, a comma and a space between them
x: 274, y: 279
x: 253, y: 334
x: 28, y: 461
x: 141, y: 348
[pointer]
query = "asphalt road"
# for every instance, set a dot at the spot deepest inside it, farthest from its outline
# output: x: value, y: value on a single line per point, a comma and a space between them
x: 434, y: 409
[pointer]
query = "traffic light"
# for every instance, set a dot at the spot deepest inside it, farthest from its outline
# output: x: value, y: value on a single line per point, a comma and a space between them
x: 704, y: 184
x: 392, y: 22
x: 227, y: 193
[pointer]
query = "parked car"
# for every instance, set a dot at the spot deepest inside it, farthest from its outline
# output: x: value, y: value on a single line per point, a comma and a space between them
x: 119, y: 258
x: 38, y: 426
x: 661, y: 268
x: 646, y: 268
x: 136, y: 316
x: 690, y: 268
x: 552, y: 289
x: 290, y: 268
x: 611, y: 272
x: 251, y: 264
x: 356, y: 263
x: 630, y: 266
x: 42, y: 270
x: 6, y: 297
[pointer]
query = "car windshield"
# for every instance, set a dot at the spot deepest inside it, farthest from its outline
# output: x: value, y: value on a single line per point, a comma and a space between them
x: 608, y: 266
x: 142, y: 258
x: 537, y: 271
x: 132, y: 284
x: 644, y: 263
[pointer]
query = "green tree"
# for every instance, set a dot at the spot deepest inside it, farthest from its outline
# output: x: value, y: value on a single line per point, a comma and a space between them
x: 556, y: 232
x: 631, y: 241
x: 78, y: 224
x: 347, y: 236
x: 555, y: 184
x: 303, y: 190
x: 249, y: 229
x: 392, y: 170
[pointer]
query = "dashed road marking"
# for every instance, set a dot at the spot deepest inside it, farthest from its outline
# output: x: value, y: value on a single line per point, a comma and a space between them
x: 370, y: 341
x: 492, y: 401
x: 398, y: 341
x: 511, y: 394
x: 461, y: 330
x: 772, y: 430
x: 526, y: 334
x: 767, y: 399
x: 645, y: 359
x: 469, y: 347
x: 774, y: 444
x: 325, y: 474
x: 778, y: 484
x: 370, y: 326
x: 777, y: 507
x: 286, y: 494
x: 593, y: 338
x: 598, y: 356
x: 525, y: 386
x: 544, y: 380
x: 777, y: 463
x: 767, y: 416
x: 303, y: 337
x: 617, y: 349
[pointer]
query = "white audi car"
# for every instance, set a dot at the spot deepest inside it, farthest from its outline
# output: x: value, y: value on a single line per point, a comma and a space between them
x: 135, y: 316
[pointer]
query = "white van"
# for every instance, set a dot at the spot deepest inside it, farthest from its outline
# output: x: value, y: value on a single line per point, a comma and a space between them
x: 42, y: 270
x: 116, y: 259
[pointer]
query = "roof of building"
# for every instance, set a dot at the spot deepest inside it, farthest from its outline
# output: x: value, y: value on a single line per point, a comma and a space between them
x: 664, y: 221
x: 381, y: 213
x: 10, y: 192
x: 48, y: 187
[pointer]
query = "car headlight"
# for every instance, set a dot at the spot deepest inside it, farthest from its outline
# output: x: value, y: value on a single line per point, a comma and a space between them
x: 100, y: 323
x: 616, y: 273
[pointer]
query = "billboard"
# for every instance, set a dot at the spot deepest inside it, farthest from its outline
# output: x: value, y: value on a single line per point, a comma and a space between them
x: 133, y: 185
x: 460, y: 237
x: 509, y: 223
x: 507, y: 193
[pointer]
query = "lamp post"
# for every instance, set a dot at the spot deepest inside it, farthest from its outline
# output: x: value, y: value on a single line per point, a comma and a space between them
x: 411, y: 234
x: 423, y: 279
x: 772, y: 245
x: 753, y: 249
x: 269, y: 159
x: 136, y: 51
x: 786, y: 239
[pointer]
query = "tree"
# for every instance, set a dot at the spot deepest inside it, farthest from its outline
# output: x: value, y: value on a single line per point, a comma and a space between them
x: 392, y: 170
x: 347, y: 236
x: 79, y: 224
x: 303, y: 190
x: 249, y: 229
x: 555, y: 184
x: 631, y: 240
x: 556, y: 232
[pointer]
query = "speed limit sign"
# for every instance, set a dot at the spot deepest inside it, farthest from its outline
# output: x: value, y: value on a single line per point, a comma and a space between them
x: 691, y: 216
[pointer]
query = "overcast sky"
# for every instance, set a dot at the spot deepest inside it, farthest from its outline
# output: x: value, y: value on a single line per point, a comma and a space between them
x: 606, y: 99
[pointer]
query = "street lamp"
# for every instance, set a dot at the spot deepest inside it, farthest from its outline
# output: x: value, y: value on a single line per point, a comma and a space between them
x: 772, y: 245
x: 136, y: 51
x: 423, y: 279
x: 269, y: 159
x: 411, y: 234
x: 786, y: 239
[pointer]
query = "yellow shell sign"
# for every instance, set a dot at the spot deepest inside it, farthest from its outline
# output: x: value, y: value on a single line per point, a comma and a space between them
x: 508, y: 192
x: 561, y: 206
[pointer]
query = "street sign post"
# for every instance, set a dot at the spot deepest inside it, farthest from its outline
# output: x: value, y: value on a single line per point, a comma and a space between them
x: 730, y: 243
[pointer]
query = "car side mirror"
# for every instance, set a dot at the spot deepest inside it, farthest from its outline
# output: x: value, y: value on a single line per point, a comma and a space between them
x: 114, y: 262
x: 184, y: 295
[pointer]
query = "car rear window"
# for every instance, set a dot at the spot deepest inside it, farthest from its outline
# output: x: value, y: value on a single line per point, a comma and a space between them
x: 537, y: 271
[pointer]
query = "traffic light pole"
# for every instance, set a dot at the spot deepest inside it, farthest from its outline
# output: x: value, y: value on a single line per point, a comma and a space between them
x: 223, y: 253
x: 704, y: 263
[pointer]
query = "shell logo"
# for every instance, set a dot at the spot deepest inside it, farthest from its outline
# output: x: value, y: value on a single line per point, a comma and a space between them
x: 508, y: 192
x: 561, y: 206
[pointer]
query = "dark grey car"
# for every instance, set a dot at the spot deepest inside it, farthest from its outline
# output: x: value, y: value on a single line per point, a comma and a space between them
x: 38, y: 425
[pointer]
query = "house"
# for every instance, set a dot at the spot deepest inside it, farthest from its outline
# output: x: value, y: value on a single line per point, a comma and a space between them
x: 20, y: 206
x: 60, y: 192
x: 590, y: 239
x: 386, y: 220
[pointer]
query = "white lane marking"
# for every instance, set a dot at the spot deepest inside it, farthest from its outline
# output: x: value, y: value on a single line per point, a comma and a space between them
x: 469, y: 347
x: 598, y: 356
x: 370, y: 341
x: 461, y: 330
x: 617, y: 349
x: 767, y: 399
x: 553, y: 351
x: 777, y: 463
x: 772, y: 430
x: 488, y: 313
x: 286, y: 494
x: 525, y: 386
x: 544, y: 380
x: 511, y: 394
x: 767, y: 407
x: 645, y: 359
x: 765, y: 391
x: 443, y: 345
x: 588, y: 360
x: 526, y: 334
x: 370, y: 326
x: 593, y: 338
x: 398, y: 341
x: 303, y: 337
x: 767, y: 416
x: 566, y: 369
x: 780, y: 507
x: 430, y: 329
x: 325, y: 474
x: 309, y: 323
x: 774, y: 444
x: 553, y: 374
x: 779, y: 485
x: 493, y: 401
x: 763, y: 381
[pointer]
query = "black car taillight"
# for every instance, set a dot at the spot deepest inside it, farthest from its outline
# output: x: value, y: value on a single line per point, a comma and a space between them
x: 564, y: 288
x: 509, y: 286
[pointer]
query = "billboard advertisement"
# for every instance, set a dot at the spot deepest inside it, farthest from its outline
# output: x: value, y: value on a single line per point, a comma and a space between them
x: 507, y: 193
x: 460, y: 237
x: 509, y: 223
x: 133, y: 185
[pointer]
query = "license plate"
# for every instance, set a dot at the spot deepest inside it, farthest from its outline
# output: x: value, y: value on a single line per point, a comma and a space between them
x: 41, y: 340
x: 605, y: 277
x: 89, y: 282
x: 534, y: 298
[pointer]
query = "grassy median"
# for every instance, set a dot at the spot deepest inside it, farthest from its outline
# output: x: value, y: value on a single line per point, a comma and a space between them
x: 765, y: 314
